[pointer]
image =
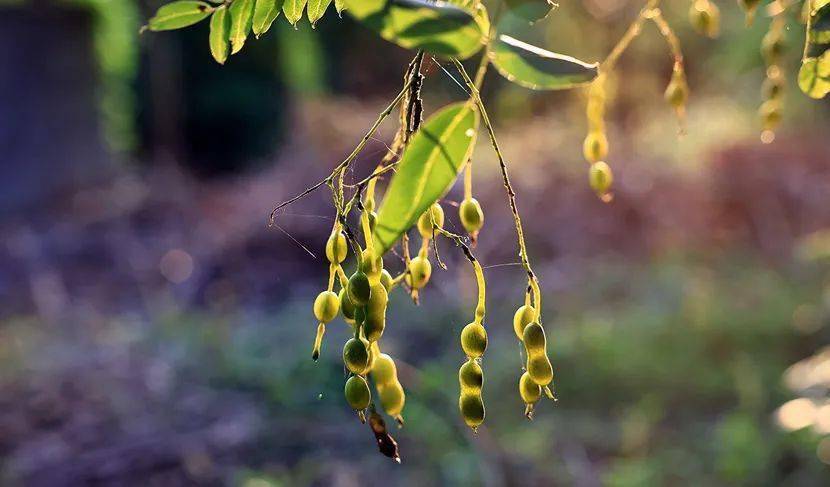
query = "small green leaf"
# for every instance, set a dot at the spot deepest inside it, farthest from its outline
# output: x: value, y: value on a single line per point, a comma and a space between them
x: 293, y: 10
x: 242, y: 12
x: 536, y: 68
x: 316, y: 9
x: 427, y: 170
x: 339, y: 5
x: 220, y: 27
x: 814, y: 76
x: 179, y: 14
x: 530, y: 10
x: 265, y: 12
x: 435, y: 26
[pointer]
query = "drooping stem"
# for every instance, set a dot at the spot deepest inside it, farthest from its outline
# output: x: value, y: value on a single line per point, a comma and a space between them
x: 479, y: 272
x: 630, y: 34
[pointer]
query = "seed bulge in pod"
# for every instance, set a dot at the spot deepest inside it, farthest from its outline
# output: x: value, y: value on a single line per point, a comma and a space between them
x: 523, y: 316
x: 336, y: 248
x: 595, y: 146
x: 540, y: 370
x: 471, y: 215
x: 386, y: 279
x: 392, y: 398
x: 384, y: 371
x: 359, y: 289
x: 425, y: 221
x: 356, y: 355
x: 472, y: 409
x: 357, y: 393
x: 326, y: 306
x: 375, y: 313
x: 346, y: 306
x: 470, y: 376
x: 534, y: 338
x: 530, y: 391
x: 474, y: 340
x: 371, y: 266
x: 419, y: 272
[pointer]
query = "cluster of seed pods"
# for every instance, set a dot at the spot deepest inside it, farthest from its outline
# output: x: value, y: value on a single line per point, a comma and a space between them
x: 772, y: 90
x: 538, y: 371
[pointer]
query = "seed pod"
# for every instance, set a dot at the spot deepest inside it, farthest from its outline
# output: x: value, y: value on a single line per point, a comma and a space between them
x: 677, y: 91
x: 523, y: 316
x: 373, y: 218
x: 425, y: 221
x: 749, y: 7
x: 356, y: 355
x: 346, y: 306
x: 474, y: 340
x: 471, y: 215
x: 534, y: 338
x: 392, y: 398
x: 530, y: 391
x: 386, y: 279
x: 420, y: 270
x: 384, y: 371
x: 770, y: 114
x: 326, y: 306
x: 595, y: 146
x: 600, y: 178
x: 773, y: 87
x: 359, y: 289
x: 375, y: 313
x: 371, y: 265
x: 470, y: 376
x: 337, y: 248
x: 360, y: 314
x: 540, y: 369
x: 472, y: 409
x: 357, y: 393
x: 705, y: 18
x: 772, y: 46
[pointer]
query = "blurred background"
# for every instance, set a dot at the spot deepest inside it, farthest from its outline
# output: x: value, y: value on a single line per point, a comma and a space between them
x: 155, y: 331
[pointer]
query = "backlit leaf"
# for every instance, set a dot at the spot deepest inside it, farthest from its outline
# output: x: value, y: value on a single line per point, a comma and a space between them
x: 536, y: 68
x: 179, y: 14
x: 242, y: 12
x: 316, y: 9
x: 265, y: 12
x: 220, y: 27
x: 293, y: 10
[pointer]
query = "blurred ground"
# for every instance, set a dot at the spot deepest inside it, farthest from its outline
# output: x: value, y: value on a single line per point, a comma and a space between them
x: 155, y: 331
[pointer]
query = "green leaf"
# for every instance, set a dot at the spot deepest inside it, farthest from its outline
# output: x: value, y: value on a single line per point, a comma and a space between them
x: 427, y: 170
x: 435, y: 26
x: 242, y: 12
x: 536, y: 68
x: 293, y: 10
x: 340, y: 5
x: 179, y: 14
x: 316, y: 9
x: 530, y: 10
x: 220, y: 27
x: 265, y: 13
x: 814, y: 76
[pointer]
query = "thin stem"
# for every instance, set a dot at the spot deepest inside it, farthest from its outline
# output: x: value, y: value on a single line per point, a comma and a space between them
x: 630, y: 34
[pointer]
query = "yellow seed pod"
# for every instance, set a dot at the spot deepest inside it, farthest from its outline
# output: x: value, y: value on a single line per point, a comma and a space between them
x: 392, y: 398
x: 600, y: 177
x: 472, y: 409
x: 357, y: 393
x: 474, y: 340
x: 530, y: 391
x: 705, y: 18
x: 540, y: 369
x: 471, y: 215
x: 356, y: 355
x: 384, y: 370
x: 359, y: 289
x: 420, y: 270
x: 336, y: 248
x: 749, y: 7
x: 677, y: 91
x: 773, y: 87
x: 373, y: 354
x: 470, y: 376
x: 425, y: 221
x: 375, y: 313
x: 386, y: 279
x: 326, y: 306
x: 595, y: 146
x: 373, y: 218
x: 521, y: 318
x: 534, y: 338
x: 772, y: 46
x: 369, y: 205
x: 770, y: 114
x: 371, y: 265
x: 346, y: 306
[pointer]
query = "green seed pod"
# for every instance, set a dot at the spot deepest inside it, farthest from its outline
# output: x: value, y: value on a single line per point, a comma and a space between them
x: 530, y: 391
x: 346, y: 306
x: 470, y: 376
x: 523, y: 316
x: 392, y: 398
x: 773, y: 87
x: 375, y: 313
x: 677, y: 91
x: 359, y: 289
x: 749, y: 7
x: 534, y: 338
x: 540, y: 370
x: 425, y: 221
x: 373, y: 218
x: 371, y: 265
x: 356, y: 355
x: 600, y: 177
x: 472, y: 409
x: 705, y: 18
x: 357, y: 393
x: 595, y: 146
x: 369, y: 205
x: 337, y: 248
x: 326, y: 306
x: 360, y: 314
x: 474, y: 340
x: 772, y: 47
x: 384, y: 370
x: 386, y: 279
x: 420, y: 270
x: 770, y: 114
x: 471, y: 215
